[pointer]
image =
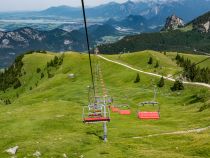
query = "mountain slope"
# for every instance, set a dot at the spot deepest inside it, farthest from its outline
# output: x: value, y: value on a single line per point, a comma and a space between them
x: 49, y: 114
x: 22, y: 40
x: 134, y: 22
x: 162, y: 41
x: 189, y: 38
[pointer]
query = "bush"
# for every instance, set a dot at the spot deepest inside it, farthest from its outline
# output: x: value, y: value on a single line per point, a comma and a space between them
x: 42, y: 75
x: 157, y: 64
x: 150, y: 61
x: 178, y: 85
x: 204, y: 107
x: 17, y: 84
x: 161, y: 83
x: 137, y: 78
x: 38, y: 70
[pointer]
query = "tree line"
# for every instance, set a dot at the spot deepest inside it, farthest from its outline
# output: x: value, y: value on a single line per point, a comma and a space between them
x: 10, y: 77
x: 193, y: 72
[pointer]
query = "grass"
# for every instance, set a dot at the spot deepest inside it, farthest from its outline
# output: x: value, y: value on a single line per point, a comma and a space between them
x: 194, y: 58
x: 167, y: 62
x: 140, y: 60
x: 48, y: 118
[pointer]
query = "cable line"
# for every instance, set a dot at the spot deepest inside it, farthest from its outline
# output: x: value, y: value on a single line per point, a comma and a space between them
x: 88, y: 44
x: 191, y: 66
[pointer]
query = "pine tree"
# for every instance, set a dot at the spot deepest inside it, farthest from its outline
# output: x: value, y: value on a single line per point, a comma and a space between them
x: 38, y: 70
x: 137, y: 78
x: 157, y: 64
x: 150, y: 61
x: 42, y: 75
x: 178, y: 85
x: 161, y: 83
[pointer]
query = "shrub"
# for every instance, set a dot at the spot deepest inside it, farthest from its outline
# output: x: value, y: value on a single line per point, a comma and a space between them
x: 137, y: 78
x: 161, y: 83
x: 38, y: 70
x: 150, y: 61
x: 178, y: 85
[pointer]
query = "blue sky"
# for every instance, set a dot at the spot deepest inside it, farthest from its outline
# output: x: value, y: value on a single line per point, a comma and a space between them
x: 17, y: 5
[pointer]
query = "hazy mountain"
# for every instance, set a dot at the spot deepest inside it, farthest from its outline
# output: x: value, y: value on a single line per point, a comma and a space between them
x: 155, y: 11
x: 193, y: 36
x: 186, y: 9
x: 133, y: 22
x: 21, y: 40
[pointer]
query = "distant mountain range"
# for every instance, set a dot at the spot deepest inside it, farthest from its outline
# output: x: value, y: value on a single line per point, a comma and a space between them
x: 109, y: 23
x: 16, y: 42
x: 157, y: 11
x: 193, y: 37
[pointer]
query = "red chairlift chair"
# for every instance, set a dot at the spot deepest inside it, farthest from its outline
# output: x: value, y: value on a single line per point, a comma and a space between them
x: 91, y: 115
x: 124, y: 110
x: 148, y: 115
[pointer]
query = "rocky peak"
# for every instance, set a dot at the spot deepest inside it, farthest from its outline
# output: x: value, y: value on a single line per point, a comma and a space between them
x: 173, y: 22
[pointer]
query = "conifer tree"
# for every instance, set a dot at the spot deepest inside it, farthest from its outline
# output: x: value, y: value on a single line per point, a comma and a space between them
x: 161, y: 83
x: 137, y: 78
x: 150, y: 62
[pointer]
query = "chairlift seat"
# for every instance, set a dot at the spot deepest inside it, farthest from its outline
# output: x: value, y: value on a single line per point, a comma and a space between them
x: 148, y: 115
x: 97, y: 114
x: 114, y: 109
x: 96, y: 119
x: 124, y: 112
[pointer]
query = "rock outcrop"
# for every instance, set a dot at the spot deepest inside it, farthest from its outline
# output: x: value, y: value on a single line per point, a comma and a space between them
x: 173, y: 22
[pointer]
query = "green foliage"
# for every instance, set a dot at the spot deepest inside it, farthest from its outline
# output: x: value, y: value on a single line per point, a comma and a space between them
x: 7, y: 101
x: 17, y: 84
x: 204, y: 107
x: 10, y: 77
x: 50, y: 75
x: 178, y: 85
x: 193, y: 72
x: 137, y: 78
x: 161, y: 83
x: 42, y: 75
x: 57, y: 61
x: 150, y: 62
x: 156, y: 65
x: 38, y: 70
x: 160, y: 41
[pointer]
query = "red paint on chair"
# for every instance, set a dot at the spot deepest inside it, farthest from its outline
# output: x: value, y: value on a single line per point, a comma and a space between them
x: 148, y: 115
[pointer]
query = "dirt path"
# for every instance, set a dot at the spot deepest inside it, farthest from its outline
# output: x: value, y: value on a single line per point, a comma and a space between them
x: 198, y: 130
x: 153, y: 74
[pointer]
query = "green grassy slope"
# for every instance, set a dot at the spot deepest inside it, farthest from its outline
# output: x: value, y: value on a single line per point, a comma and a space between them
x: 140, y: 60
x: 48, y: 118
x: 193, y: 58
x: 167, y: 62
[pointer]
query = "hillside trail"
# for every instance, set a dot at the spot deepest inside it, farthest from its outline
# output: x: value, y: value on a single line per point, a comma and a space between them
x: 198, y: 130
x: 153, y: 74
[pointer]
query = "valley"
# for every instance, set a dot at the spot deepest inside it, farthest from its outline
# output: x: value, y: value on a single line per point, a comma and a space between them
x: 52, y: 123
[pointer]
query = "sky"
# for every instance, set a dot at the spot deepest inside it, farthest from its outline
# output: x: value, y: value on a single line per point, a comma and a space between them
x: 20, y: 5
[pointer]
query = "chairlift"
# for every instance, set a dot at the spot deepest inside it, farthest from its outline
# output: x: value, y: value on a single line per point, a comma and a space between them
x: 114, y: 109
x: 124, y: 110
x: 149, y: 115
x: 103, y: 99
x: 121, y: 109
x: 91, y: 114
